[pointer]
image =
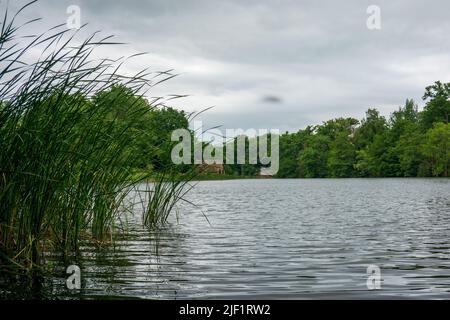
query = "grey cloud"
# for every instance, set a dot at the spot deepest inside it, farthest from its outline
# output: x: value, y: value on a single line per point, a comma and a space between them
x: 317, y: 55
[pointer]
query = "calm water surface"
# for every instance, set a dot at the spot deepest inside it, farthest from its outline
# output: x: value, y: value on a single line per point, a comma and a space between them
x: 284, y: 239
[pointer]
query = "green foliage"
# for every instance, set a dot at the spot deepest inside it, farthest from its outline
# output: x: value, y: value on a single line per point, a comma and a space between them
x: 341, y: 157
x: 371, y: 126
x: 437, y: 108
x: 150, y: 132
x: 436, y: 149
x: 410, y: 144
x: 159, y: 126
x: 313, y: 158
x: 290, y: 146
x: 380, y: 158
x: 408, y: 150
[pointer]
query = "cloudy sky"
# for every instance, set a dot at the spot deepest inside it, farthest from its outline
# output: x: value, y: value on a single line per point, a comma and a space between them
x: 274, y: 64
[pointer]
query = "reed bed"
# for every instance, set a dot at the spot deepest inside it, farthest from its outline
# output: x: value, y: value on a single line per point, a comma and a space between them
x: 65, y: 160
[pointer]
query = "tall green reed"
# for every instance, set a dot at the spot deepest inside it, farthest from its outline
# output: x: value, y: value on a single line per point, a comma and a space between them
x: 163, y: 194
x: 65, y: 161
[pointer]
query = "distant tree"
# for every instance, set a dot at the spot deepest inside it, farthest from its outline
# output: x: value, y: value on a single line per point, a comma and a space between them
x: 404, y: 118
x: 437, y: 108
x: 151, y: 132
x: 162, y: 121
x: 363, y: 163
x: 372, y: 125
x: 409, y: 144
x: 408, y: 151
x: 404, y: 139
x: 341, y: 157
x: 335, y: 127
x: 436, y: 149
x: 290, y: 147
x: 378, y: 159
x: 313, y: 159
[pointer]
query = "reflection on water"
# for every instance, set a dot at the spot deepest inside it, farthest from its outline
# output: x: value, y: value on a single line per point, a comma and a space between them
x: 279, y: 239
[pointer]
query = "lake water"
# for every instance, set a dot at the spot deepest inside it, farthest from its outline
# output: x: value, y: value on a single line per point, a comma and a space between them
x: 284, y: 239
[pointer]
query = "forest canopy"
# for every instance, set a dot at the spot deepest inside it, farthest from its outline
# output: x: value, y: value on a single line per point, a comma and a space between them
x: 410, y: 143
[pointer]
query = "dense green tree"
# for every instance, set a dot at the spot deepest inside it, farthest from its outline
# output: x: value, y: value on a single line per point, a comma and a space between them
x: 408, y: 151
x: 159, y: 127
x: 313, y: 158
x: 372, y: 125
x: 150, y: 132
x: 436, y: 149
x: 403, y: 119
x: 290, y: 146
x: 409, y: 144
x: 335, y: 127
x: 381, y: 159
x: 404, y: 140
x: 437, y: 108
x: 341, y: 157
x: 373, y: 156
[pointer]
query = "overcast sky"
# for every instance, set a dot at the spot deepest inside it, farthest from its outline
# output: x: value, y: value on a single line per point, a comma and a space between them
x: 275, y: 64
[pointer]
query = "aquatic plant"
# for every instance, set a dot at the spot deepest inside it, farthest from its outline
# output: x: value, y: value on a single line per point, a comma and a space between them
x: 66, y: 160
x: 166, y: 190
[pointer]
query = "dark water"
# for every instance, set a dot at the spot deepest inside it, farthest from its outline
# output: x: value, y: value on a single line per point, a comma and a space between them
x: 290, y: 239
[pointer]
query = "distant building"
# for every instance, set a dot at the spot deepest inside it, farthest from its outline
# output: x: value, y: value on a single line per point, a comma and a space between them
x: 212, y: 168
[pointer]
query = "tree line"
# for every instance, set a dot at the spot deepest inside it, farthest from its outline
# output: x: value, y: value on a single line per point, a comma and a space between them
x: 409, y: 143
